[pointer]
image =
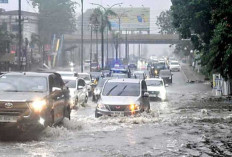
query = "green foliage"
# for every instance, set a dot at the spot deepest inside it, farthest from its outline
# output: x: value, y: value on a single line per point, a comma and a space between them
x: 100, y: 17
x: 164, y: 21
x: 56, y: 17
x: 208, y: 24
x: 5, y: 40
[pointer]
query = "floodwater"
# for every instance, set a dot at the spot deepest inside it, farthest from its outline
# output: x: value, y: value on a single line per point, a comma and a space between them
x: 189, y: 123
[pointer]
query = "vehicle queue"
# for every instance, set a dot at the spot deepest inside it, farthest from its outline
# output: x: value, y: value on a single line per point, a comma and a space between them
x: 46, y: 98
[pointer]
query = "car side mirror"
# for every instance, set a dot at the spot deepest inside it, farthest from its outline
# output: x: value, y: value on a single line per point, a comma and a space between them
x: 166, y: 85
x: 146, y: 94
x: 80, y: 87
x: 56, y: 89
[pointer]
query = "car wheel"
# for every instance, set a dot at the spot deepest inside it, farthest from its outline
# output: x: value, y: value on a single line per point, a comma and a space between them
x: 67, y: 112
x: 86, y: 99
x: 93, y: 99
x: 97, y: 115
x: 52, y: 118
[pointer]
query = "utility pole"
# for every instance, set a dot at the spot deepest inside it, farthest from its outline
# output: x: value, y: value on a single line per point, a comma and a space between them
x: 20, y: 35
x: 102, y: 42
x: 119, y: 30
x: 126, y: 49
x: 107, y: 46
x: 97, y: 45
x: 82, y: 36
x: 91, y: 48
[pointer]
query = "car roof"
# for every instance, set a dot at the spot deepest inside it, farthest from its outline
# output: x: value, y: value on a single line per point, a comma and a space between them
x: 158, y: 79
x: 83, y: 74
x: 29, y: 74
x: 139, y: 72
x: 69, y: 78
x: 126, y: 80
x: 66, y: 72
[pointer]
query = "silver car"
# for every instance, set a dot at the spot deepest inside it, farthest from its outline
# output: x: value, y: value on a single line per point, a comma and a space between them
x: 123, y: 97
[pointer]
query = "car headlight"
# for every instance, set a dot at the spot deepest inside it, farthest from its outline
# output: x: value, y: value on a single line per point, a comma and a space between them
x: 97, y: 91
x: 38, y: 105
x: 156, y: 72
x: 101, y: 106
x: 134, y: 107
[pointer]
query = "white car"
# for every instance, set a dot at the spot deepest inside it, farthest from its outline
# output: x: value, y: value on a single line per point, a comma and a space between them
x: 78, y: 90
x: 87, y: 78
x: 174, y: 66
x: 156, y: 88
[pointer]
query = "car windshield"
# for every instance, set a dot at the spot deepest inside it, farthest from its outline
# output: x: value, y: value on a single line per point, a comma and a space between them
x: 164, y: 73
x: 121, y: 89
x: 95, y: 75
x: 93, y: 64
x: 154, y: 83
x: 174, y: 63
x: 84, y: 76
x: 70, y: 83
x: 23, y: 83
x: 119, y: 75
x: 139, y: 75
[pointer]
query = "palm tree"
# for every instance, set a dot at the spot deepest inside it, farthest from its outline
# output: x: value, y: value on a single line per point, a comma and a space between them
x: 100, y: 17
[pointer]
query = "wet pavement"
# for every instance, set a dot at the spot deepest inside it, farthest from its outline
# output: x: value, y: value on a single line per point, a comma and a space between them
x: 189, y: 123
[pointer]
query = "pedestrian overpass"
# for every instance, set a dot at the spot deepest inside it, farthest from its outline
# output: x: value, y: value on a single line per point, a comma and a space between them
x: 129, y: 39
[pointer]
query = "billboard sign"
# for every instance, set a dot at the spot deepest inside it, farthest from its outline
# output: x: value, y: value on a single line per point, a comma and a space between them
x: 133, y: 19
x: 3, y: 1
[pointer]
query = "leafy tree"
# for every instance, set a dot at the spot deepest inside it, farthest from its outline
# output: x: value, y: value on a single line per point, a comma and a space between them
x: 55, y: 17
x: 102, y: 15
x: 220, y: 56
x: 208, y: 24
x: 5, y: 39
x: 164, y: 21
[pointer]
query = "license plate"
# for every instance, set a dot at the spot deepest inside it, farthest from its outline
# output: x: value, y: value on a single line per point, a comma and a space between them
x: 118, y: 113
x: 153, y: 95
x: 8, y: 119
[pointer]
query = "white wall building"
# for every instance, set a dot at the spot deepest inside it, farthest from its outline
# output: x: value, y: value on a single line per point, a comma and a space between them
x: 9, y: 20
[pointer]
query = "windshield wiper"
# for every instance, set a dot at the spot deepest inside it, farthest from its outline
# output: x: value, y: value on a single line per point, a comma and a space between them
x: 111, y: 90
x: 122, y: 90
x: 11, y: 91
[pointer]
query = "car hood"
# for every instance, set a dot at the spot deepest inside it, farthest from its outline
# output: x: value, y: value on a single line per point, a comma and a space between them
x: 165, y: 76
x: 118, y: 100
x: 174, y: 66
x: 87, y: 82
x: 154, y: 88
x: 21, y: 96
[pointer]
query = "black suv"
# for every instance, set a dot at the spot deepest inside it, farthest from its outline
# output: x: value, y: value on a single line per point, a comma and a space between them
x: 30, y: 98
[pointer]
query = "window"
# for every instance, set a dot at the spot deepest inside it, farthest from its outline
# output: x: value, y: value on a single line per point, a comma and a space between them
x: 81, y: 82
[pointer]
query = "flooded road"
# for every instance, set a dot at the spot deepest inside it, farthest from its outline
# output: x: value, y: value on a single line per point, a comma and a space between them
x: 187, y: 124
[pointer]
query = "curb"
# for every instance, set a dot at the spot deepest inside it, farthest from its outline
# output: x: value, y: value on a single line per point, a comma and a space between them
x: 186, y: 78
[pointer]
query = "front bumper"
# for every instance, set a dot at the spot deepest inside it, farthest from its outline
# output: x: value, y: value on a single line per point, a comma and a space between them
x: 117, y: 113
x: 31, y: 121
x: 175, y: 69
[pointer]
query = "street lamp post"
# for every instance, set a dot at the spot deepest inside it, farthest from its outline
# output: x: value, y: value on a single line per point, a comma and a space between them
x: 107, y: 46
x: 20, y: 35
x: 102, y: 28
x: 82, y: 36
x: 91, y: 47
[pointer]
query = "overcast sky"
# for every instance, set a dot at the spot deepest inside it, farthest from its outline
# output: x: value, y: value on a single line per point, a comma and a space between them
x: 154, y: 5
